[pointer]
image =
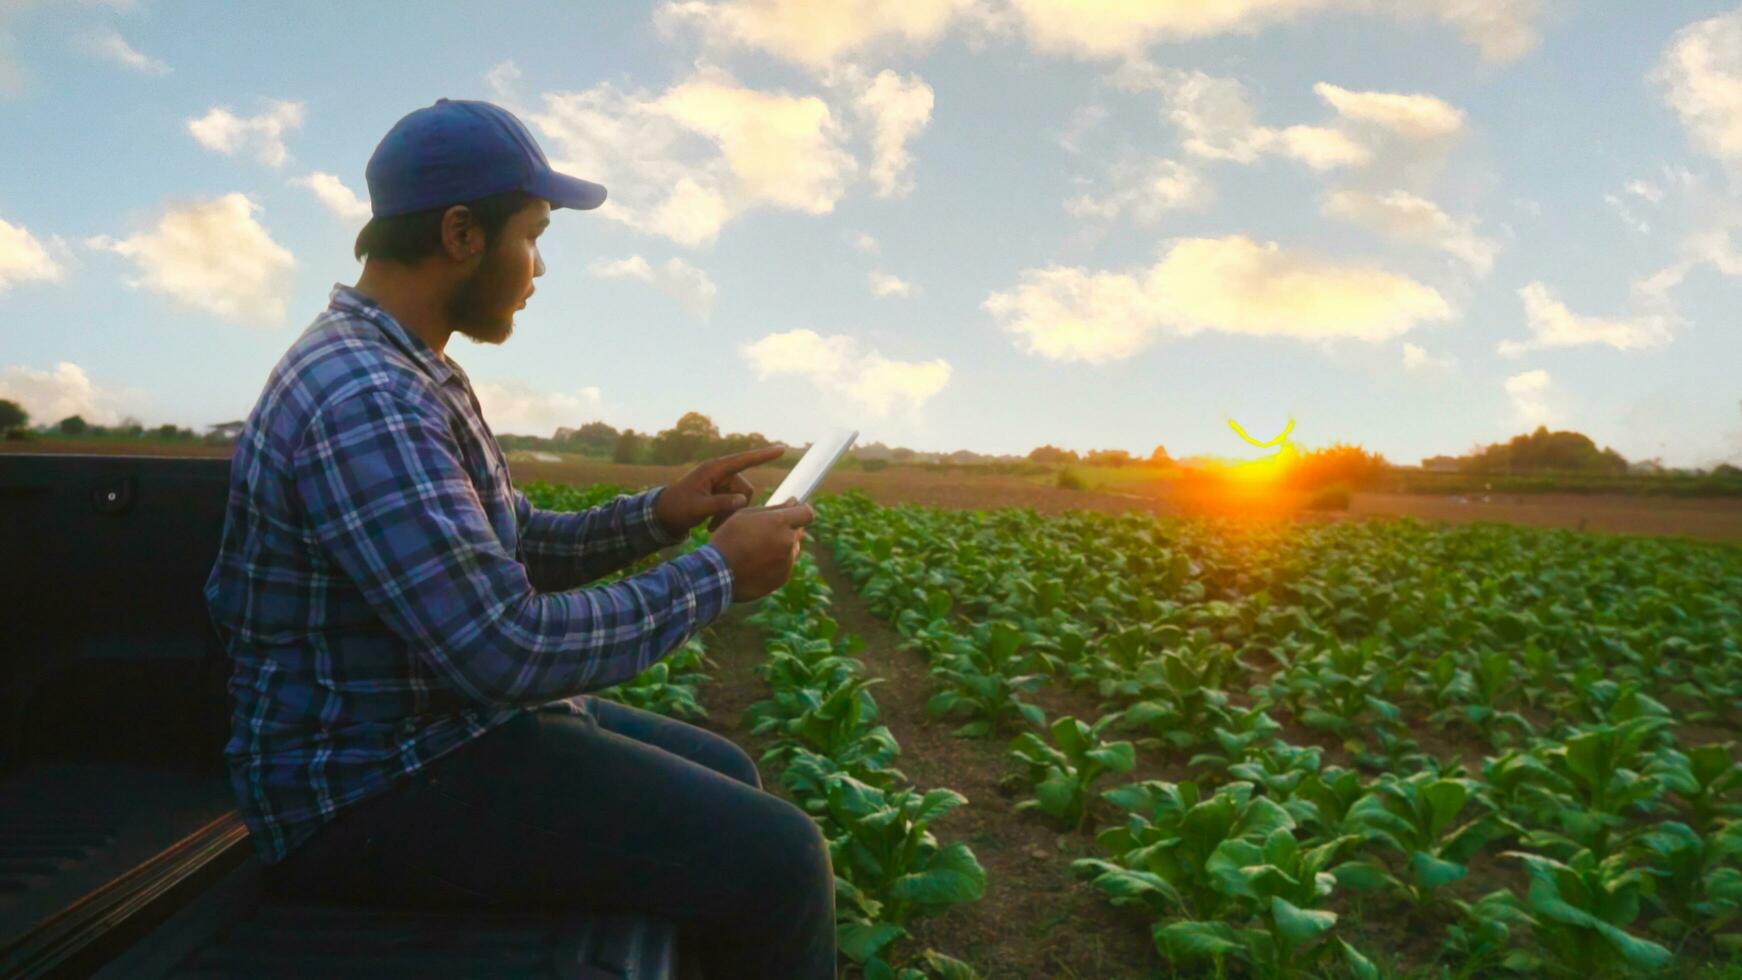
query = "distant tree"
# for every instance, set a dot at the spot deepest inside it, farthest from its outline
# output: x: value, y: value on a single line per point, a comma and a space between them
x: 1726, y: 470
x: 170, y: 432
x: 1160, y: 455
x: 628, y: 447
x: 689, y: 440
x: 1349, y: 466
x: 12, y: 416
x: 901, y: 454
x: 130, y: 427
x: 1108, y: 457
x: 596, y: 437
x: 1545, y: 451
x: 1052, y: 454
x: 72, y: 425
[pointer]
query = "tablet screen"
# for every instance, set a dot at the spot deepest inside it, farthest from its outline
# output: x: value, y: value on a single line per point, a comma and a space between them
x: 808, y: 474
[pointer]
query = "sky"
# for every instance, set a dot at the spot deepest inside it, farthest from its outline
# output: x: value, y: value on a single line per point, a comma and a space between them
x: 1414, y: 225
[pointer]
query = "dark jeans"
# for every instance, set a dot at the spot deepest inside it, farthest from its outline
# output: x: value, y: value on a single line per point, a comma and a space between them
x: 618, y: 811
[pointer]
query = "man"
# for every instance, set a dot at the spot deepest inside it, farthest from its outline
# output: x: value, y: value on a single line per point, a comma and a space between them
x: 411, y: 644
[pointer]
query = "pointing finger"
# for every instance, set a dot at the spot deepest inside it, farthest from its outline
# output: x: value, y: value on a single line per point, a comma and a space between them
x: 728, y: 465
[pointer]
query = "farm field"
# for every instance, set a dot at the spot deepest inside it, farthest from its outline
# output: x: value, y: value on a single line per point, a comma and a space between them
x: 1709, y: 519
x: 1129, y: 745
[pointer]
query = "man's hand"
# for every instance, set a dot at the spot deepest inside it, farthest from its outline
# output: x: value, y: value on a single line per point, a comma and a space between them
x: 714, y: 489
x: 760, y: 546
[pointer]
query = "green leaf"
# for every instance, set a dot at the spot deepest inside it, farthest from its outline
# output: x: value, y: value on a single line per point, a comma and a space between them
x: 1432, y: 872
x: 1446, y: 797
x: 1117, y: 756
x: 1137, y: 885
x: 941, y: 703
x: 953, y: 876
x: 1195, y: 940
x: 1298, y: 924
x: 859, y: 941
x: 948, y: 967
x: 1362, y: 876
x: 1360, y: 966
x: 1069, y: 735
x: 936, y: 803
x: 1057, y: 793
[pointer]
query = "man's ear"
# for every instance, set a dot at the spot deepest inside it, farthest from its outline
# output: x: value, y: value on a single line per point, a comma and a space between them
x: 462, y: 238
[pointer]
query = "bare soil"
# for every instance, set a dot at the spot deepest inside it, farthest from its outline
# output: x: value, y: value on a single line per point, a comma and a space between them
x: 1034, y: 921
x: 1709, y: 519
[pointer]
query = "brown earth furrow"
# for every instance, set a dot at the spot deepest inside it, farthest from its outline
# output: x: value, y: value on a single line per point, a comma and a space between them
x: 1035, y: 921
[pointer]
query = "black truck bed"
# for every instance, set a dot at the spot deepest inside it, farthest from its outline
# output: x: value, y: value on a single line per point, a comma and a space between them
x: 121, y: 853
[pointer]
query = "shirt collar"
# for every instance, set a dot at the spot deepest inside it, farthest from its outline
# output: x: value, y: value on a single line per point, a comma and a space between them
x: 439, y: 367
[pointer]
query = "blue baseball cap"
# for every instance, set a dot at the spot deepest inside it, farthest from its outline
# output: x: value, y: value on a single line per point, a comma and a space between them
x: 459, y: 150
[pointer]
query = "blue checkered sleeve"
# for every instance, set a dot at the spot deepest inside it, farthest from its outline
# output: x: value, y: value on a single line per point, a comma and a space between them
x: 388, y: 499
x: 563, y: 550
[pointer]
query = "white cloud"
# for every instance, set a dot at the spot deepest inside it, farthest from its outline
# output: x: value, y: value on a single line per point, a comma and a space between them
x: 1145, y: 191
x: 112, y: 47
x: 332, y: 192
x: 517, y: 407
x: 1406, y: 217
x: 885, y: 285
x: 1071, y: 314
x: 23, y: 259
x: 897, y: 108
x: 502, y: 79
x: 840, y: 365
x: 1530, y: 393
x: 1501, y: 29
x: 1399, y: 135
x: 683, y: 163
x: 1553, y: 325
x: 1701, y: 75
x: 1627, y: 214
x: 262, y: 134
x: 689, y: 286
x: 1645, y: 189
x: 1227, y: 285
x: 1413, y: 116
x: 810, y: 33
x: 213, y: 256
x: 1083, y: 121
x: 1711, y: 220
x: 865, y: 243
x: 1417, y: 360
x: 1319, y: 147
x: 50, y: 396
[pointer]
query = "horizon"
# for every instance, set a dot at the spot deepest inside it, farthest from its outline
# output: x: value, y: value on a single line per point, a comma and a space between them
x: 945, y: 223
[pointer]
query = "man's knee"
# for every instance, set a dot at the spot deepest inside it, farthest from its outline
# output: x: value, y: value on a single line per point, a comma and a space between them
x: 803, y: 849
x: 735, y: 762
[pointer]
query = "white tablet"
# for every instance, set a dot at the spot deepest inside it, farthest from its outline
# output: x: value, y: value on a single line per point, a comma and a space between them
x: 808, y: 474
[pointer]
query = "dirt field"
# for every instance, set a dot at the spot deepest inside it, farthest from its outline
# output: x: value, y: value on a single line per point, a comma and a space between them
x: 1709, y: 520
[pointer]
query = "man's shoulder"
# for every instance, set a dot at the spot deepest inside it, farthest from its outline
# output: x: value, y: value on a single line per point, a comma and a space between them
x: 339, y: 356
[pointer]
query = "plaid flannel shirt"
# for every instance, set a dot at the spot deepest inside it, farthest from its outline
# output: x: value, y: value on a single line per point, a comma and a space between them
x: 387, y: 595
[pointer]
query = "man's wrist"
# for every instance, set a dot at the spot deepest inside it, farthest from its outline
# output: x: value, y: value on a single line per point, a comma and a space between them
x: 661, y: 531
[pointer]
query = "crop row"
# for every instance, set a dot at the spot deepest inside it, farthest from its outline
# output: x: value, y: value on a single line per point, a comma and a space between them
x: 835, y: 759
x: 837, y: 762
x: 1371, y: 721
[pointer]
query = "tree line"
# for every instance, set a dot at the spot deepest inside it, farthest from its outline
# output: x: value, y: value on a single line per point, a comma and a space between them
x: 15, y: 425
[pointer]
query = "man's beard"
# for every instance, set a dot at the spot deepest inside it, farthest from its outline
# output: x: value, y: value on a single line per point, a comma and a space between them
x: 471, y: 310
